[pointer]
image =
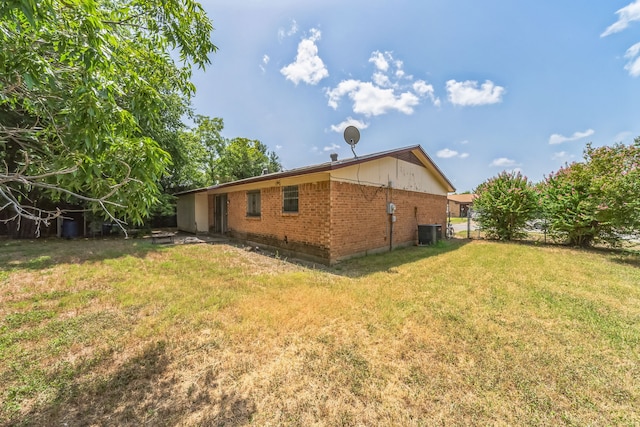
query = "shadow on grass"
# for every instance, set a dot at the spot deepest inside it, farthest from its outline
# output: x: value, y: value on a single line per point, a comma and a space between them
x: 141, y: 392
x: 387, y: 261
x: 621, y: 255
x: 632, y: 260
x: 45, y: 253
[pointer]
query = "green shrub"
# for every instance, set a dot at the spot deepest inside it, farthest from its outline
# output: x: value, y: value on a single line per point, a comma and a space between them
x: 596, y: 200
x: 505, y: 204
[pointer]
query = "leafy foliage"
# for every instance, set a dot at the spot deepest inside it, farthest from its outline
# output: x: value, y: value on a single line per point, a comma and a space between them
x: 243, y: 158
x: 205, y: 157
x: 569, y: 209
x: 597, y: 199
x: 615, y: 173
x: 86, y: 89
x: 504, y: 204
x: 211, y: 143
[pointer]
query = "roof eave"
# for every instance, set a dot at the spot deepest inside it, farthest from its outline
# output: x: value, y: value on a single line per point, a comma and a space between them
x: 329, y: 166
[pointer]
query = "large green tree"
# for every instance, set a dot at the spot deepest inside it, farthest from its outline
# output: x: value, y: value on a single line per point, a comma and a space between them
x: 243, y: 158
x: 89, y: 91
x: 208, y: 158
x: 208, y: 135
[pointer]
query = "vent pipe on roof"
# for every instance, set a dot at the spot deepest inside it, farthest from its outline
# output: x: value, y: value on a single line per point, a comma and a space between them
x: 334, y: 157
x: 265, y: 171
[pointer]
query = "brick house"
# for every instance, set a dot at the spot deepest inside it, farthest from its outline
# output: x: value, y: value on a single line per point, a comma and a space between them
x: 326, y: 212
x: 459, y: 204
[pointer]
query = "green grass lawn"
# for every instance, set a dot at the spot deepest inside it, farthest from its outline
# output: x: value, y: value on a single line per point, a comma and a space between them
x: 122, y: 332
x: 457, y: 220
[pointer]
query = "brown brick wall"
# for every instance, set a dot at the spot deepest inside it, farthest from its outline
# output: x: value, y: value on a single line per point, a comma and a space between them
x: 306, y: 232
x: 358, y: 219
x: 414, y: 209
x: 360, y: 223
x: 335, y: 220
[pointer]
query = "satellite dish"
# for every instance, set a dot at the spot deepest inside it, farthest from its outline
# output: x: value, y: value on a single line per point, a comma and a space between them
x: 352, y: 136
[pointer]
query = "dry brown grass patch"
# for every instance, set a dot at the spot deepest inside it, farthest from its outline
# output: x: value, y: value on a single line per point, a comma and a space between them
x: 462, y: 333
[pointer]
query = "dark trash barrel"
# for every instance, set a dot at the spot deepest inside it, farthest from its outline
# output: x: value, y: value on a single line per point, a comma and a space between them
x: 69, y: 229
x: 428, y: 234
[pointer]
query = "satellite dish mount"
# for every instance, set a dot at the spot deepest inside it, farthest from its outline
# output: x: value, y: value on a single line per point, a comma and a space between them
x: 352, y: 136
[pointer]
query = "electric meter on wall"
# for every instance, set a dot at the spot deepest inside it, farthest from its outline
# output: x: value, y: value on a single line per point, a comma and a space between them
x: 391, y: 208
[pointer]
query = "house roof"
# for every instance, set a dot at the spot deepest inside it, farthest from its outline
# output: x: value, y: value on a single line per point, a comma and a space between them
x: 419, y: 155
x: 461, y: 198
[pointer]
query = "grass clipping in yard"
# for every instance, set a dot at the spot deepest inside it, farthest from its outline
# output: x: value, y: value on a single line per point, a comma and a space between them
x: 128, y: 333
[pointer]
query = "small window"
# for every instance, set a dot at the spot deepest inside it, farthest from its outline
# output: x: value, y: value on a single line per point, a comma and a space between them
x: 253, y: 203
x: 290, y: 198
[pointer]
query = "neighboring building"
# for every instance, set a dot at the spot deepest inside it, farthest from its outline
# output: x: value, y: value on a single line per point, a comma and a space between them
x: 327, y: 212
x: 459, y: 204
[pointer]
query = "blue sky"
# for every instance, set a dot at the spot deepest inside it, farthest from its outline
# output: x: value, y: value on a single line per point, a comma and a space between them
x: 482, y: 86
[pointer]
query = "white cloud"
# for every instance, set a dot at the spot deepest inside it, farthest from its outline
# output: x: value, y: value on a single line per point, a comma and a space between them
x: 423, y: 89
x: 372, y: 100
x: 399, y: 71
x: 626, y: 16
x: 293, y: 29
x: 332, y: 147
x: 343, y: 88
x: 278, y: 147
x: 556, y: 138
x: 340, y: 127
x: 384, y: 62
x: 447, y: 153
x: 381, y: 79
x: 265, y: 61
x: 633, y: 66
x: 467, y: 93
x: 503, y: 162
x: 308, y: 66
x: 390, y: 89
x: 379, y: 60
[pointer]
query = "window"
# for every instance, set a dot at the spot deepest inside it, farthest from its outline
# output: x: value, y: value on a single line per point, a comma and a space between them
x: 290, y: 198
x: 253, y: 203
